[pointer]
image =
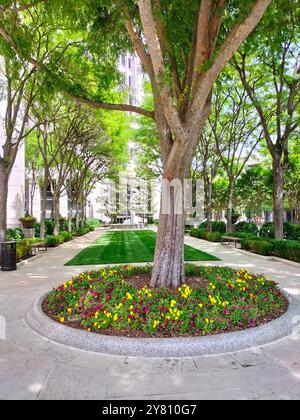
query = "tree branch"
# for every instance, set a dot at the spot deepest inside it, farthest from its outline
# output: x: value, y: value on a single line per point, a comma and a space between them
x: 156, y: 55
x: 229, y: 47
x: 111, y: 107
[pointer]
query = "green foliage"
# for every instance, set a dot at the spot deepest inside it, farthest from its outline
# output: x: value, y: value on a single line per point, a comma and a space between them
x: 288, y: 250
x: 53, y: 241
x: 208, y: 236
x: 246, y: 227
x: 215, y: 226
x: 15, y: 234
x: 23, y: 249
x: 291, y: 231
x: 67, y: 236
x: 81, y: 231
x: 214, y: 236
x: 93, y: 222
x: 49, y: 227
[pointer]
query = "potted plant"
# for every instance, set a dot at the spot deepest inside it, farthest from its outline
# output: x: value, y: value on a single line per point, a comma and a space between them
x: 28, y: 221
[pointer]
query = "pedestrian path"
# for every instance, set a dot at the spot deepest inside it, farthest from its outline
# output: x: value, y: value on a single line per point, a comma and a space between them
x: 32, y: 367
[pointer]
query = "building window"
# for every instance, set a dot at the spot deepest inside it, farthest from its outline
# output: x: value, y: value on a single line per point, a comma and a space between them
x: 123, y: 60
x: 129, y: 81
x: 129, y: 63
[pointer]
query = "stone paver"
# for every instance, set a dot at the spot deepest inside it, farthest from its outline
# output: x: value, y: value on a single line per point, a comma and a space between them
x: 32, y: 367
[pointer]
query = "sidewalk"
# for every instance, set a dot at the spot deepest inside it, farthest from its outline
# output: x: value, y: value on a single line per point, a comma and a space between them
x: 32, y: 367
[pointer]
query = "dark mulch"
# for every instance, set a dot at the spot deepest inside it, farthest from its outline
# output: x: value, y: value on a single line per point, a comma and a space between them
x: 140, y: 280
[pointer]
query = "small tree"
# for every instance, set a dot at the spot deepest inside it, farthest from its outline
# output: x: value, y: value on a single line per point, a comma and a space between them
x: 270, y: 73
x: 18, y: 90
x: 236, y: 134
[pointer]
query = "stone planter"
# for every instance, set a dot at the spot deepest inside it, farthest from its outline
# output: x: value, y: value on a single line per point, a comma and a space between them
x: 29, y: 233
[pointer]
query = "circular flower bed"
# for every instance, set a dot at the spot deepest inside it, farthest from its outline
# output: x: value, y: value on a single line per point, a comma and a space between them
x: 118, y: 301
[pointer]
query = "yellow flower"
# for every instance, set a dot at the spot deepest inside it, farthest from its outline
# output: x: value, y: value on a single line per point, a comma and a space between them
x: 89, y: 330
x: 70, y: 282
x: 69, y: 310
x: 129, y: 296
x: 173, y: 303
x: 95, y: 324
x: 155, y: 323
x: 116, y: 317
x: 200, y: 305
x: 62, y: 320
x: 131, y: 307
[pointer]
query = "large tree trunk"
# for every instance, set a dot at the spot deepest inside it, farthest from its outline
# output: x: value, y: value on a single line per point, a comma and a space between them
x: 56, y: 213
x: 230, y: 206
x: 168, y: 270
x: 278, y: 185
x: 3, y: 203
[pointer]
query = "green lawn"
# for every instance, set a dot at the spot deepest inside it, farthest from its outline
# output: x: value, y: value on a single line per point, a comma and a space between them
x: 131, y: 246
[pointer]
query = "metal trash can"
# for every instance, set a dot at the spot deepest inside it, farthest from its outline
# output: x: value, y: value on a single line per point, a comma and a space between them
x: 8, y: 256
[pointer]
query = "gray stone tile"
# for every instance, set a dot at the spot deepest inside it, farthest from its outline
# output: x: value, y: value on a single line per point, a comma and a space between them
x: 73, y: 383
x: 22, y: 385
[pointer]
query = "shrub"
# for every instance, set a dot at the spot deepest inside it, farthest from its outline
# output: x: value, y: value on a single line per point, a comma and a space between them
x: 198, y: 233
x: 288, y: 250
x: 81, y: 231
x: 93, y: 222
x: 63, y: 224
x: 15, y: 234
x: 263, y: 247
x: 37, y: 228
x: 49, y: 227
x: 67, y: 236
x: 208, y: 236
x: 52, y: 241
x: 290, y: 231
x: 246, y: 227
x: 214, y: 236
x: 215, y: 227
x: 23, y: 249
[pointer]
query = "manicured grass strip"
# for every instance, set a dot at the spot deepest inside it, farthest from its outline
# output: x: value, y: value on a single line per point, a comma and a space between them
x: 132, y: 246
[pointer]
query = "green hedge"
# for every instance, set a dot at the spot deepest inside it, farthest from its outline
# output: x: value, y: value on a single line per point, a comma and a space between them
x: 290, y: 231
x: 208, y: 236
x: 52, y: 241
x: 215, y: 227
x: 81, y: 231
x: 289, y: 250
x: 246, y: 227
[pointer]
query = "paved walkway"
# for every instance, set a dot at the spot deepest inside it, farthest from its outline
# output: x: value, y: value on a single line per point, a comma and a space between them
x: 32, y: 367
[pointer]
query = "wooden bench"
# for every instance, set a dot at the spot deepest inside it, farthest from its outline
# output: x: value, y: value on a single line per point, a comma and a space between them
x: 38, y: 246
x: 229, y: 239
